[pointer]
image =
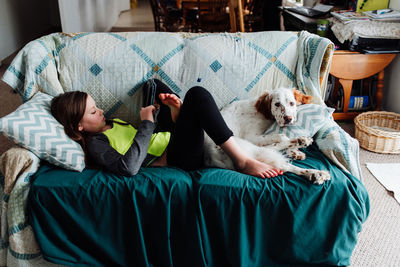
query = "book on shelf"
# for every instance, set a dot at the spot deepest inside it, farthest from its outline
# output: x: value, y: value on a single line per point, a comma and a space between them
x: 346, y: 16
x: 383, y: 14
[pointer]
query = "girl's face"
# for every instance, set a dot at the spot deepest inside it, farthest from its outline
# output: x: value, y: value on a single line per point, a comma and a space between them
x: 93, y: 120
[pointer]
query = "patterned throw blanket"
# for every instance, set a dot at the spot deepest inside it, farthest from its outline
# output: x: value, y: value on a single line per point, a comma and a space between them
x: 112, y: 66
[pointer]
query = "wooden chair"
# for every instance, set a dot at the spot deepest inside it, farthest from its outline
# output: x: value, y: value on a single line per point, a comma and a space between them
x: 190, y: 15
x: 236, y: 15
x: 213, y: 16
x: 166, y: 18
x: 157, y: 15
x: 253, y: 15
x: 246, y: 15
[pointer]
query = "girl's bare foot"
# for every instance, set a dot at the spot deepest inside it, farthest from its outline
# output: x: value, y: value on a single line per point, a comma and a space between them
x: 173, y: 102
x: 259, y: 169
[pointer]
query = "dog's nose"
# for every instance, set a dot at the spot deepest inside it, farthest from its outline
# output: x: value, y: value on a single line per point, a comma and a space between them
x: 288, y: 119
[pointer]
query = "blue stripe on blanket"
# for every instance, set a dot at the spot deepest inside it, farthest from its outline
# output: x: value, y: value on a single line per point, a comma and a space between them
x: 80, y: 35
x: 28, y: 92
x: 156, y: 68
x: 3, y: 244
x: 17, y: 228
x: 275, y: 62
x: 59, y: 48
x: 285, y: 45
x: 169, y: 81
x: 43, y: 64
x: 44, y: 46
x: 24, y: 256
x: 258, y: 77
x: 143, y: 55
x: 313, y: 49
x: 113, y: 109
x: 123, y: 39
x: 17, y: 73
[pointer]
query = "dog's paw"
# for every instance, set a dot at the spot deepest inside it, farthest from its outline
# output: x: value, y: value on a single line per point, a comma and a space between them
x: 319, y: 177
x: 296, y: 154
x: 302, y: 141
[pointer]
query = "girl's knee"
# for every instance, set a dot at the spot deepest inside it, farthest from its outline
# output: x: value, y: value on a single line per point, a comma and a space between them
x: 198, y: 92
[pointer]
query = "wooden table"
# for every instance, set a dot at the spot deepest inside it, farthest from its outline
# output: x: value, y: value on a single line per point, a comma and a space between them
x: 297, y: 22
x: 348, y: 66
x: 235, y: 11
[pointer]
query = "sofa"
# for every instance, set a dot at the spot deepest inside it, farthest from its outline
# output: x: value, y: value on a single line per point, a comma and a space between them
x: 55, y: 211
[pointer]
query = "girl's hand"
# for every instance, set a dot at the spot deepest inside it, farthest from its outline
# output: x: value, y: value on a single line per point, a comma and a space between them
x: 147, y: 113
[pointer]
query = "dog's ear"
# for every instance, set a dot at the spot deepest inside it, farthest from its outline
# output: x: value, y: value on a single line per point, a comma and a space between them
x: 263, y: 105
x: 301, y: 98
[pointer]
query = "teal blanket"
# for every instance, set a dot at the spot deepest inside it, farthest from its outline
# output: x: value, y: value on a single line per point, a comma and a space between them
x: 210, y: 217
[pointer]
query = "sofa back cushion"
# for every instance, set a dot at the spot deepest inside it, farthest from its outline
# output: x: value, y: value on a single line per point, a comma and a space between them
x: 111, y: 67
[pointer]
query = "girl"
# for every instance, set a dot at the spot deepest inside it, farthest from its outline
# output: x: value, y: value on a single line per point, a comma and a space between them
x: 176, y: 140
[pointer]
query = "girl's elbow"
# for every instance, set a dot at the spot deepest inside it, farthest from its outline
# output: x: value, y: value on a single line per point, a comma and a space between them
x: 129, y: 172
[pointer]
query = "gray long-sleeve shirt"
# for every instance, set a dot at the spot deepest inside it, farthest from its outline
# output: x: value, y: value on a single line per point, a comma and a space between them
x: 103, y: 154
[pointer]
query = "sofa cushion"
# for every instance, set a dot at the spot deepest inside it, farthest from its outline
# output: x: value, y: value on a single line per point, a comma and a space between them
x: 111, y: 67
x: 164, y: 216
x: 310, y: 118
x: 32, y: 126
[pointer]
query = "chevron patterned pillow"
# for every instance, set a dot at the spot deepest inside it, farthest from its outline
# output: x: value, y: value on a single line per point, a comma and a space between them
x: 310, y: 118
x: 33, y: 127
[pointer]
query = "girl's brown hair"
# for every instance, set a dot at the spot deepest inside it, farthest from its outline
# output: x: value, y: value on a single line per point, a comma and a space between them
x: 68, y: 109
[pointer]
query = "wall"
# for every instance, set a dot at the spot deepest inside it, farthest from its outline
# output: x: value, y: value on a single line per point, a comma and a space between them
x: 90, y: 15
x: 22, y: 21
x: 391, y: 92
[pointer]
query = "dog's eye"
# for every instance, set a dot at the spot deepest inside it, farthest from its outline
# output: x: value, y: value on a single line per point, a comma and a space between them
x: 291, y: 103
x: 277, y: 104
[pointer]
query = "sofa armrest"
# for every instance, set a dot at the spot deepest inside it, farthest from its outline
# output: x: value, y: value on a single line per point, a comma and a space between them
x: 16, y: 166
x: 313, y: 65
x: 13, y: 163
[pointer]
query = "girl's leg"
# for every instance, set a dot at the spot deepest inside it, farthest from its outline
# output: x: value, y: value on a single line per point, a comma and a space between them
x: 200, y: 113
x: 197, y: 113
x: 164, y: 120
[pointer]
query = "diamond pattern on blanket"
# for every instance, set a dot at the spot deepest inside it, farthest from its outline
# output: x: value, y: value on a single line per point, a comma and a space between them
x: 26, y: 250
x: 230, y: 66
x: 215, y: 66
x: 103, y: 98
x: 157, y: 66
x: 272, y: 59
x: 80, y: 67
x: 17, y: 217
x: 90, y: 44
x: 95, y: 69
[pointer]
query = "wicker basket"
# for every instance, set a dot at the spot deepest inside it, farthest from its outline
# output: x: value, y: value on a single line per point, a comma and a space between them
x: 379, y: 131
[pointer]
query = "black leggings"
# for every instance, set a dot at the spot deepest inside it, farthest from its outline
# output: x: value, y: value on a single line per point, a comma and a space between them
x: 198, y: 113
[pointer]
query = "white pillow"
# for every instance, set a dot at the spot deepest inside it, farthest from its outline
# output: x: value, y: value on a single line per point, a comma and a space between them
x: 33, y: 127
x: 310, y: 118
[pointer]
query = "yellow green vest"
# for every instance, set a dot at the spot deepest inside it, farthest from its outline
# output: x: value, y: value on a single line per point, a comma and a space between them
x: 121, y: 138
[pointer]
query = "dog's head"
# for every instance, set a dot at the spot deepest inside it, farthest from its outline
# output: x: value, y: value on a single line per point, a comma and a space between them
x: 281, y: 105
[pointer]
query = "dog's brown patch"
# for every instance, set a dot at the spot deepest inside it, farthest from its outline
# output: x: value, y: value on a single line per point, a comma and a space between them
x: 263, y: 105
x: 301, y: 98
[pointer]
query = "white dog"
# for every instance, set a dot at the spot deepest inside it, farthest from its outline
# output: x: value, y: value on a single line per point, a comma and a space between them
x: 249, y: 119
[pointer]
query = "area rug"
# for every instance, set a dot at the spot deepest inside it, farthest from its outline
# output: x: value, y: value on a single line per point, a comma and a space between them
x: 388, y: 174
